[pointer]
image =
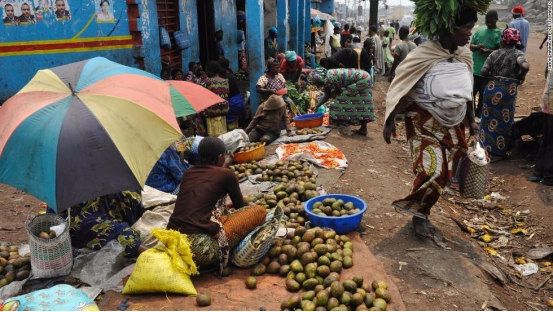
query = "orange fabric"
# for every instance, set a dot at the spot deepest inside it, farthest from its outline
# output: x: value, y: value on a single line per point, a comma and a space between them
x: 243, y: 221
x: 19, y: 107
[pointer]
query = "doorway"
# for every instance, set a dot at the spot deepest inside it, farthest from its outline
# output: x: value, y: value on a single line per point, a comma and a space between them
x: 206, y: 30
x: 168, y: 17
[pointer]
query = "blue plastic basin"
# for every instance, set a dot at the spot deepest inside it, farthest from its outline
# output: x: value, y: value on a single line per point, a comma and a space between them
x: 342, y: 225
x: 309, y: 116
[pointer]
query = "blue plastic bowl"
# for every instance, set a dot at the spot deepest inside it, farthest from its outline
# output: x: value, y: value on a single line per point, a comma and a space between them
x: 342, y: 225
x: 309, y: 116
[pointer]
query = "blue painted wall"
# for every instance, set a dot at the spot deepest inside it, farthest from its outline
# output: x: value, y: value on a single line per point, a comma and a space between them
x: 327, y: 6
x: 307, y: 21
x: 82, y: 25
x: 282, y: 25
x: 255, y: 47
x: 188, y: 16
x: 293, y: 24
x: 301, y: 29
x: 225, y: 19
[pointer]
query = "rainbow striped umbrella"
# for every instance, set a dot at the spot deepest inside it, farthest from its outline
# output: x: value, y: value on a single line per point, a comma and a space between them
x: 84, y: 130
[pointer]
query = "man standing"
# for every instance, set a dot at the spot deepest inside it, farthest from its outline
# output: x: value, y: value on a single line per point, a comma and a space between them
x: 271, y: 44
x: 522, y: 25
x: 485, y: 40
x: 10, y: 15
x: 378, y: 63
x: 401, y: 49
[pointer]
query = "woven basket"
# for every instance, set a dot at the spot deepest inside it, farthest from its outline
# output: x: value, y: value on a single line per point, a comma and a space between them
x: 49, y: 257
x: 473, y: 179
x: 252, y: 248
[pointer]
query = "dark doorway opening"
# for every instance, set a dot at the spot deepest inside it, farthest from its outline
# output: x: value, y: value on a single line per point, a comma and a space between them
x: 206, y: 30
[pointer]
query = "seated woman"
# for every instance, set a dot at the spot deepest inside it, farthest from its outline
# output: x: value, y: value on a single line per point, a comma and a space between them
x: 265, y: 125
x: 188, y: 148
x: 237, y: 107
x: 200, y: 211
x: 96, y: 222
x: 271, y: 82
x: 167, y: 172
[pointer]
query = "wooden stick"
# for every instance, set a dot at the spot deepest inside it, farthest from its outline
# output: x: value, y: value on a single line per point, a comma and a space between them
x: 543, y: 283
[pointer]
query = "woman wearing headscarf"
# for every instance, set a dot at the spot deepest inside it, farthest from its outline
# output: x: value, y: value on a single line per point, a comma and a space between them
x: 202, y: 210
x: 506, y: 68
x: 291, y: 66
x: 351, y: 88
x: 271, y: 44
x: 433, y: 88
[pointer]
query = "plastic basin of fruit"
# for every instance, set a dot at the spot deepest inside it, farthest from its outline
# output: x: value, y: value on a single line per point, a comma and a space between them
x: 253, y: 155
x: 342, y: 225
x: 309, y: 121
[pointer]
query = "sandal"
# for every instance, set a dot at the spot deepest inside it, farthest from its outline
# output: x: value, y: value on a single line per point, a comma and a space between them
x: 423, y: 227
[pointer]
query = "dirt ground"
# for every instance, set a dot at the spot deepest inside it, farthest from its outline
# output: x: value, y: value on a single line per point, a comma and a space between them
x: 429, y: 277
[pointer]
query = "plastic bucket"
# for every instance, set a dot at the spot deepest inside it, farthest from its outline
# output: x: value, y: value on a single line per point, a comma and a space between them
x: 342, y: 225
x: 309, y: 121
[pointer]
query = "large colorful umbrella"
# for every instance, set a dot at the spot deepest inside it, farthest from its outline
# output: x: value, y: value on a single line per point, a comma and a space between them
x: 84, y: 130
x: 190, y: 98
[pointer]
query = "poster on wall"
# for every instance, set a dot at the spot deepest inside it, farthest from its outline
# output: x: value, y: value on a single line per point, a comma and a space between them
x: 62, y: 10
x: 43, y: 9
x: 17, y: 13
x: 104, y: 12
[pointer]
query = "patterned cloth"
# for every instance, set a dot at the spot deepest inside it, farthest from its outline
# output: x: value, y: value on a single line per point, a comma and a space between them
x: 57, y: 298
x: 498, y: 113
x: 220, y: 87
x: 510, y: 36
x: 434, y: 151
x: 503, y: 63
x: 234, y: 227
x: 167, y: 172
x: 275, y: 84
x: 98, y: 221
x: 355, y: 103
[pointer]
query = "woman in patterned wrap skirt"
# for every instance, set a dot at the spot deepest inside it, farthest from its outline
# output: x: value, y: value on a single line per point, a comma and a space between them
x: 353, y: 104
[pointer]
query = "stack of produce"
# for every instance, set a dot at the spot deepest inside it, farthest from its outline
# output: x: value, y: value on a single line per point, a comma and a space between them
x: 330, y: 207
x: 249, y: 147
x: 307, y: 131
x: 13, y: 267
x: 247, y: 169
x: 281, y: 171
x: 288, y: 196
x: 350, y: 295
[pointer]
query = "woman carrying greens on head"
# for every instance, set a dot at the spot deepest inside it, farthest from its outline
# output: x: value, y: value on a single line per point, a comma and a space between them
x: 433, y: 88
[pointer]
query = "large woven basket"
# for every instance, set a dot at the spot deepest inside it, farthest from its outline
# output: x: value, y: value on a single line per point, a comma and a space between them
x: 49, y: 257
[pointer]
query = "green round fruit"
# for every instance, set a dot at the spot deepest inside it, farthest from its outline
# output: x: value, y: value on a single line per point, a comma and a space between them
x: 251, y: 282
x: 380, y: 303
x: 203, y: 300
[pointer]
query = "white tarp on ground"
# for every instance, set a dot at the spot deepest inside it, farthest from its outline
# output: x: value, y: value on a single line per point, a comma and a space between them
x: 155, y: 218
x: 281, y: 150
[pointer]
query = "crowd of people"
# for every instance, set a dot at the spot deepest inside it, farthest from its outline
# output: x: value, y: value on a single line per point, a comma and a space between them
x: 438, y: 88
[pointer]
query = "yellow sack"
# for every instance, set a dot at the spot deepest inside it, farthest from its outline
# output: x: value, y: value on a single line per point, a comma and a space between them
x: 164, y: 268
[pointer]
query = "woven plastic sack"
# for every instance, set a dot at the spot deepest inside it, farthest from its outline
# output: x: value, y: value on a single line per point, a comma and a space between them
x: 58, y: 298
x: 164, y: 269
x: 256, y: 245
x: 243, y: 221
x: 49, y: 257
x: 164, y: 38
x: 182, y: 40
x: 473, y: 172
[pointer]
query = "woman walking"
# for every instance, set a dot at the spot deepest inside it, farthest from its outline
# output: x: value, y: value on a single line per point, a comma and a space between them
x: 506, y: 68
x: 351, y: 88
x: 433, y: 87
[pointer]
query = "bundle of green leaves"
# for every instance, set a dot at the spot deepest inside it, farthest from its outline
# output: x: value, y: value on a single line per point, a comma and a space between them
x: 437, y: 17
